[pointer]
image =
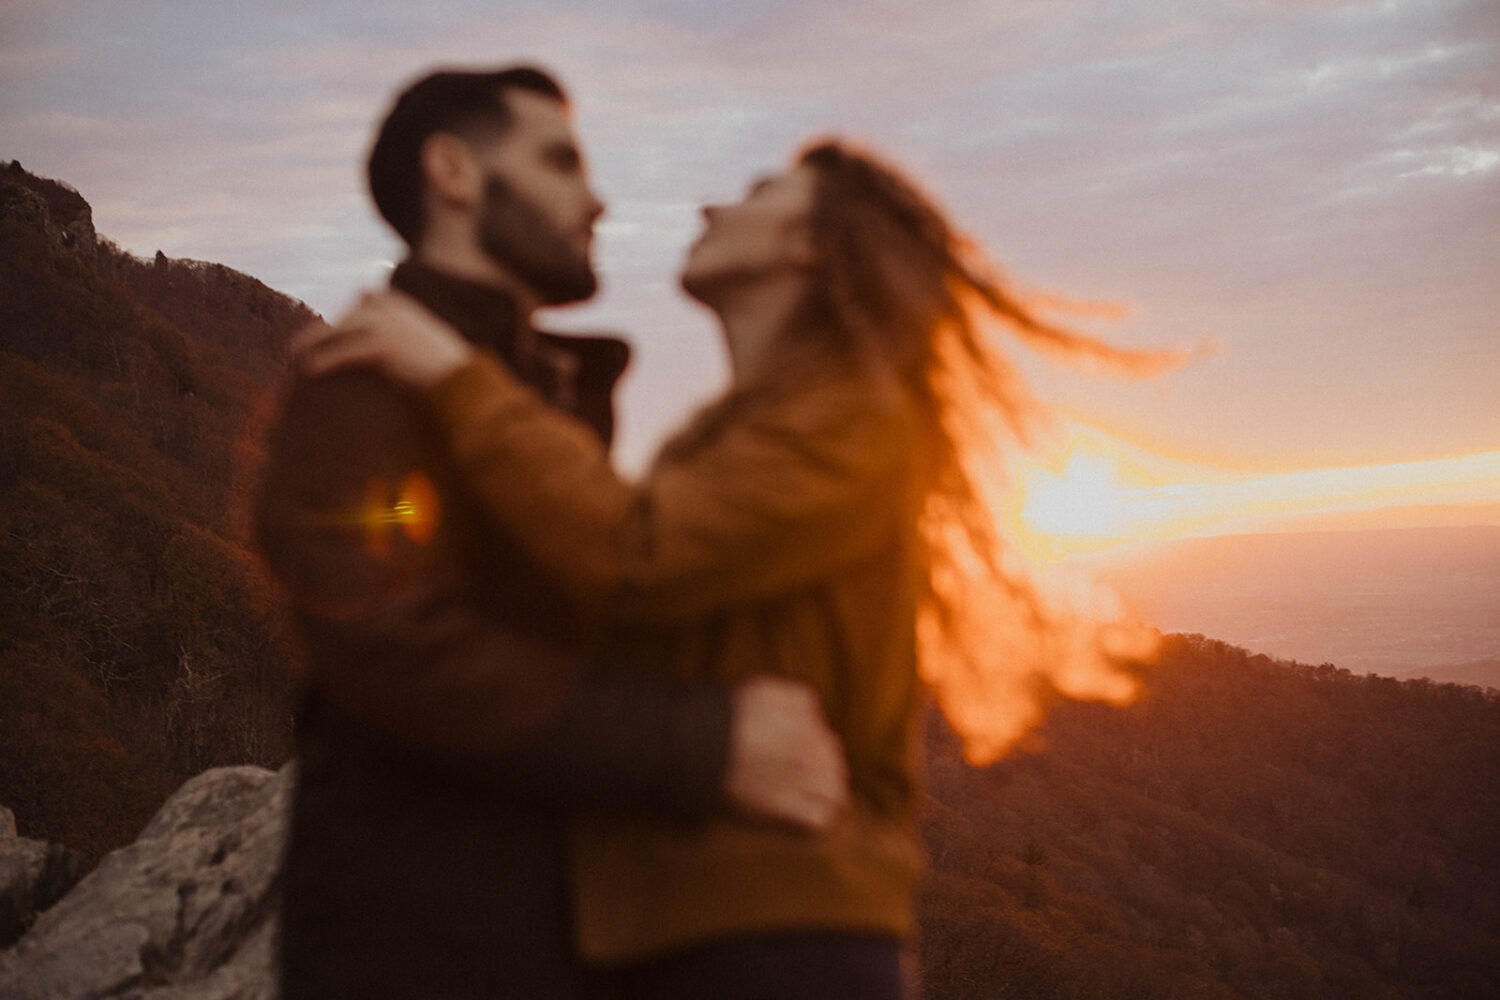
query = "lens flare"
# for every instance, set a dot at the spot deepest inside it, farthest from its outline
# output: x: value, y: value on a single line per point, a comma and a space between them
x: 407, y: 510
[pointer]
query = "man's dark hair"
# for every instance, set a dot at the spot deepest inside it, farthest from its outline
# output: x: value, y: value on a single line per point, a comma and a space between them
x: 461, y: 102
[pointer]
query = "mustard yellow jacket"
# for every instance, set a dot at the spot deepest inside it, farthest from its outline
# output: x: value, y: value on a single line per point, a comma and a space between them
x: 777, y: 534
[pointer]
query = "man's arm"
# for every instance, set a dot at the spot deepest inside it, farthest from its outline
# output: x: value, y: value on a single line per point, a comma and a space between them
x: 781, y: 761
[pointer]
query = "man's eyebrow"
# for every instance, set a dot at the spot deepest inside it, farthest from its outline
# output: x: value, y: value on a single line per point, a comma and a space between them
x: 761, y: 183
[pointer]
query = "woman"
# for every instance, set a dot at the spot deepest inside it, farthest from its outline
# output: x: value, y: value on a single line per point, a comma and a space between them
x: 821, y: 521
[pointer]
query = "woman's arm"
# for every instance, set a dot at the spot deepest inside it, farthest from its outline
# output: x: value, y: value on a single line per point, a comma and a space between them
x: 783, y: 493
x: 538, y: 471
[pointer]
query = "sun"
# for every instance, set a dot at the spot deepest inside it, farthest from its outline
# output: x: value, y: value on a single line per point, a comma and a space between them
x: 1076, y: 501
x: 1083, y: 498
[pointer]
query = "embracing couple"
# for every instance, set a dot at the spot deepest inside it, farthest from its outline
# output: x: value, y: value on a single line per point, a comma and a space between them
x: 565, y: 735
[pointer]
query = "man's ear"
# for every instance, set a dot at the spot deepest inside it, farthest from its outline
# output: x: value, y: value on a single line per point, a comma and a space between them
x: 451, y: 171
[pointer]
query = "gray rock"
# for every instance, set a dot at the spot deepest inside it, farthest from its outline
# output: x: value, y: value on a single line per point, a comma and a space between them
x: 33, y: 876
x: 187, y: 912
x: 21, y: 863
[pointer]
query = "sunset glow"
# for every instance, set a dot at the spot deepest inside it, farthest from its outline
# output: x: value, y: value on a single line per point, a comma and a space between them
x: 1101, y: 492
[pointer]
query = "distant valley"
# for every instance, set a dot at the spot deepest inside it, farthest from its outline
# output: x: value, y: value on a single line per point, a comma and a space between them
x: 1405, y: 602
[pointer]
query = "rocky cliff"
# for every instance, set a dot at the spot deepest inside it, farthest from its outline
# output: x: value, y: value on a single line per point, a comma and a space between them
x: 185, y: 913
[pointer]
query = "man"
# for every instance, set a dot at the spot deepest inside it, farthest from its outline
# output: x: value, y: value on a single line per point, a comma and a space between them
x: 450, y: 721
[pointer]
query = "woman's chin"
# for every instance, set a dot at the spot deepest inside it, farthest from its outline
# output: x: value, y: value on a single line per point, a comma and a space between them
x: 697, y: 283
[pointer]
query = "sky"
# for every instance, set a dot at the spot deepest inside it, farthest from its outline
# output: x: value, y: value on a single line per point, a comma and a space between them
x: 1311, y: 187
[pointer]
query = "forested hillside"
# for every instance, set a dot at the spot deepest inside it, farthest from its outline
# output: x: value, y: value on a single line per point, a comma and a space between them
x: 1250, y: 829
x: 137, y: 646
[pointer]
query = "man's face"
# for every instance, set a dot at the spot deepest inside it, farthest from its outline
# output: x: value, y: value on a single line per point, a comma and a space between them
x: 537, y: 217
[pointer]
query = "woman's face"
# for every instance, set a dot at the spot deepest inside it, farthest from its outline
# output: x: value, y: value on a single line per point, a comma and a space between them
x: 764, y: 235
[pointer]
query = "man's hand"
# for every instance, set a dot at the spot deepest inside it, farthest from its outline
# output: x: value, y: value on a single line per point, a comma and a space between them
x: 785, y: 763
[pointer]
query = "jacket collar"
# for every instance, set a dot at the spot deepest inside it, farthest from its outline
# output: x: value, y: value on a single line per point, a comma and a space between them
x: 484, y: 315
x: 577, y: 373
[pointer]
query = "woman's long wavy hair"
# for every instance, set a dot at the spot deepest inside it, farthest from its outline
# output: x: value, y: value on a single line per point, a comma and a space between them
x: 898, y: 288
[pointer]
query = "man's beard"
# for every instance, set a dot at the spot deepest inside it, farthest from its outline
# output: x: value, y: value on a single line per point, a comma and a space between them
x: 520, y: 238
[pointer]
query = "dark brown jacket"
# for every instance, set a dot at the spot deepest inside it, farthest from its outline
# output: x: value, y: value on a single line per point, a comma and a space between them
x: 450, y: 722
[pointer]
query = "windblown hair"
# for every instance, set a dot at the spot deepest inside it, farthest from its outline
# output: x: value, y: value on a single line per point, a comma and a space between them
x: 465, y: 103
x: 899, y: 289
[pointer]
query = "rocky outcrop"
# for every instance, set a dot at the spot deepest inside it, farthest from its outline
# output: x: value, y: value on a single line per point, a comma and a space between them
x: 213, y: 304
x: 33, y: 876
x: 187, y: 912
x: 68, y: 217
